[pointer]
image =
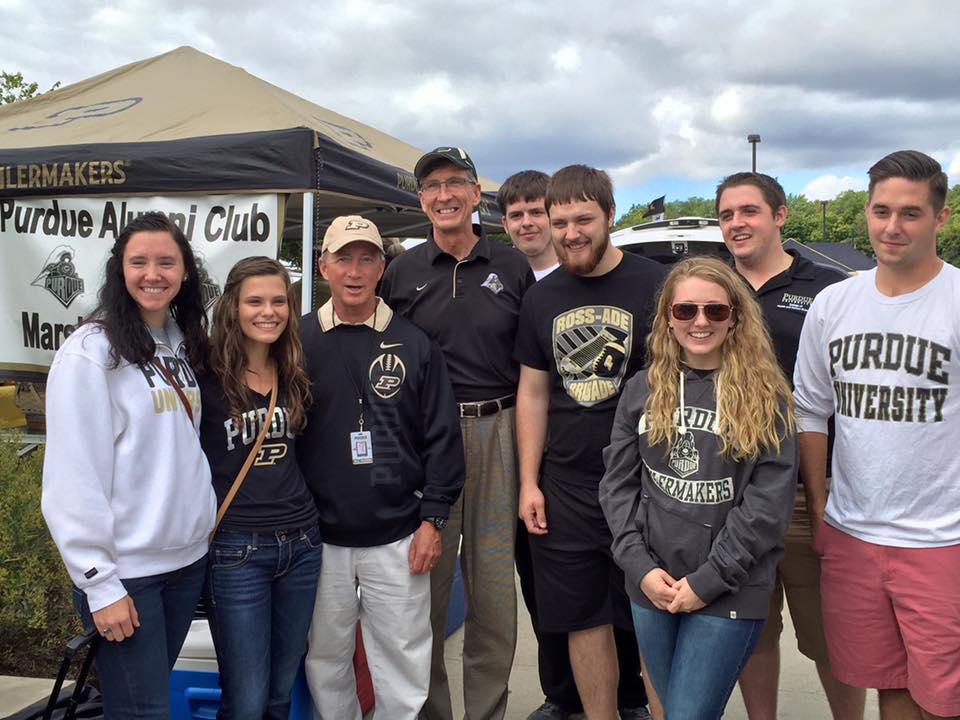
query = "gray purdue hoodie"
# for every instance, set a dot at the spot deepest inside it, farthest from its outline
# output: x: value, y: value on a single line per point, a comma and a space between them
x: 692, y: 512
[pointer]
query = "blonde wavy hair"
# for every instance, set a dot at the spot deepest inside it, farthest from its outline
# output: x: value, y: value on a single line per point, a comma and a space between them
x: 752, y: 392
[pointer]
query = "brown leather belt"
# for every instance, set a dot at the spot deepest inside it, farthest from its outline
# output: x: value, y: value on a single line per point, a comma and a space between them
x: 486, y: 407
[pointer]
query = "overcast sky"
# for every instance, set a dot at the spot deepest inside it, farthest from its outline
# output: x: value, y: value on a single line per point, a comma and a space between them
x: 661, y: 95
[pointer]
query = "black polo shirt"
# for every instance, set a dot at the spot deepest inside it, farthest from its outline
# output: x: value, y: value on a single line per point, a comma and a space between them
x: 470, y: 308
x: 785, y: 300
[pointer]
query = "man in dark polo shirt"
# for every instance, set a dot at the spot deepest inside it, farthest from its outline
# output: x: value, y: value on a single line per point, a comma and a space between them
x: 752, y: 209
x: 582, y: 333
x: 465, y: 292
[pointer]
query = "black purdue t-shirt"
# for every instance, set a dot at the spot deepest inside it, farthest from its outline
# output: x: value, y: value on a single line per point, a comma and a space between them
x: 274, y: 495
x: 590, y: 334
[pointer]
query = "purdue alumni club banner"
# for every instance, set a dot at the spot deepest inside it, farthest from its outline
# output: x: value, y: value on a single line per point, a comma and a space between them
x: 54, y: 253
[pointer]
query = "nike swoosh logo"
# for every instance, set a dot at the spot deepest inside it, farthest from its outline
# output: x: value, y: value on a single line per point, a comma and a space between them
x: 421, y: 287
x: 387, y: 346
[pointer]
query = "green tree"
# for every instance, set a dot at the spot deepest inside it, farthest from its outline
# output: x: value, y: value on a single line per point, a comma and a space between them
x: 691, y: 207
x: 948, y: 242
x: 803, y: 219
x: 846, y: 220
x: 14, y: 88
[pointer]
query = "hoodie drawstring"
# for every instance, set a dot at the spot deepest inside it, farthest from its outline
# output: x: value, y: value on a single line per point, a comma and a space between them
x: 683, y: 409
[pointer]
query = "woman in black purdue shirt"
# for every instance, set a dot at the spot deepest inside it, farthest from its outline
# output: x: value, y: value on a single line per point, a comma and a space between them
x: 265, y: 558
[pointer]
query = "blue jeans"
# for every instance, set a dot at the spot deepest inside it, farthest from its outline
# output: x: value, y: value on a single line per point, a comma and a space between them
x: 134, y: 673
x: 260, y: 592
x: 693, y: 660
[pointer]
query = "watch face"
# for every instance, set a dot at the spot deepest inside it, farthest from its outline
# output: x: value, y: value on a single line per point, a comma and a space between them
x: 439, y: 523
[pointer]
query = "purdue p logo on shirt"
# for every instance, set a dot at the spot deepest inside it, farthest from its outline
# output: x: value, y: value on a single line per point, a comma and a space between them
x: 387, y: 373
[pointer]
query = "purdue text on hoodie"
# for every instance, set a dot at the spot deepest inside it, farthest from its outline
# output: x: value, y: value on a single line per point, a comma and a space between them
x: 126, y: 487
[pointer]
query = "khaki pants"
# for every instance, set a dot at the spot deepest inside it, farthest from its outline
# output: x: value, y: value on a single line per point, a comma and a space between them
x: 486, y: 517
x: 798, y: 575
x: 396, y: 633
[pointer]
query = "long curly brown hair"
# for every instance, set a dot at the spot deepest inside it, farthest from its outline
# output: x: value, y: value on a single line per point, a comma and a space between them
x: 118, y: 314
x: 752, y: 391
x: 228, y: 359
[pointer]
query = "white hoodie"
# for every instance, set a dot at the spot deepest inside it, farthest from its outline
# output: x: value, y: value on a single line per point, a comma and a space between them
x: 126, y: 487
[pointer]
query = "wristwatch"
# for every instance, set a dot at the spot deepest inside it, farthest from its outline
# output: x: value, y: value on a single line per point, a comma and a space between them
x: 438, y: 522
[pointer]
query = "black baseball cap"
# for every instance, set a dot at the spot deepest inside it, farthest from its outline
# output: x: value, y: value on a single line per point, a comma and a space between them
x: 453, y: 155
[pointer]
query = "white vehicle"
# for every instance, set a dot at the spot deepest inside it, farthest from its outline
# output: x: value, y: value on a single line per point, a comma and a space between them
x: 668, y: 241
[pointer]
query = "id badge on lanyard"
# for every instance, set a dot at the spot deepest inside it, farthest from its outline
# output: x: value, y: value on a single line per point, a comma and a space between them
x: 361, y: 442
x: 361, y: 447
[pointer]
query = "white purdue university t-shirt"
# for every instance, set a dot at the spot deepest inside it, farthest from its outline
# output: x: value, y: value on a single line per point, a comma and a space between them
x: 889, y: 369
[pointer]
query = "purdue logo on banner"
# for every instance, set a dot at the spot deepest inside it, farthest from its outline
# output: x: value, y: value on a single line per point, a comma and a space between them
x: 59, y: 276
x: 62, y: 245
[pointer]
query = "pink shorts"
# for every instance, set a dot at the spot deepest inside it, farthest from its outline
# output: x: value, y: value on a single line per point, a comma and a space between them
x: 892, y: 617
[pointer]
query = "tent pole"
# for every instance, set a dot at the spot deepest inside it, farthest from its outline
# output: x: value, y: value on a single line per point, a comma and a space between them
x: 306, y: 262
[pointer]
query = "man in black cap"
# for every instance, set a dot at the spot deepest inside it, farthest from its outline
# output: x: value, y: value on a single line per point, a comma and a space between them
x: 465, y: 292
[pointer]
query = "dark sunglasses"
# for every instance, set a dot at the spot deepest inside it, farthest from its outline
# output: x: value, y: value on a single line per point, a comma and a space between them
x: 714, y: 312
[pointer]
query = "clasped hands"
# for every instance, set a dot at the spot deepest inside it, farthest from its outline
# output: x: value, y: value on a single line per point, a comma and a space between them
x: 668, y: 594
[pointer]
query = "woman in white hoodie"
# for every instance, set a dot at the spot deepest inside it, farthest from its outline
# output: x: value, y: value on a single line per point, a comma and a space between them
x: 126, y: 488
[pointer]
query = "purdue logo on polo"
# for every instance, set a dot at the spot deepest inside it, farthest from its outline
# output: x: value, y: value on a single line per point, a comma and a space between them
x: 493, y: 284
x: 792, y: 301
x: 387, y: 373
x: 59, y: 276
x: 591, y: 346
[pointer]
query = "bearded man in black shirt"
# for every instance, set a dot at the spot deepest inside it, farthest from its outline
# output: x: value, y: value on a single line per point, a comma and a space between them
x: 581, y: 337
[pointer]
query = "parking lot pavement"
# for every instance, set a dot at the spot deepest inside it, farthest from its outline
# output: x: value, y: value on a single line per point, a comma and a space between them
x: 801, y: 697
x: 17, y: 693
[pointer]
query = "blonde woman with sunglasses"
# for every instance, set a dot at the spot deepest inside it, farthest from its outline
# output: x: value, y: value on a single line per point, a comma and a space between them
x: 698, y: 492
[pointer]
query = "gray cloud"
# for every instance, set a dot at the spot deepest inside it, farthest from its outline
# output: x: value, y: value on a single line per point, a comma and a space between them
x: 643, y: 90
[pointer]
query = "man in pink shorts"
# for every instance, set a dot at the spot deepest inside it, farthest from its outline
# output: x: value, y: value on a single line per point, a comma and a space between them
x: 881, y: 352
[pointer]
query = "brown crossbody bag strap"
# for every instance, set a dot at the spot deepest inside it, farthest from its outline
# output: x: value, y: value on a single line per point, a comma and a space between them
x: 268, y: 421
x: 169, y: 378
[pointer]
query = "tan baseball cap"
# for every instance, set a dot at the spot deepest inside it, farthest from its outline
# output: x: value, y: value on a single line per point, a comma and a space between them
x: 350, y: 228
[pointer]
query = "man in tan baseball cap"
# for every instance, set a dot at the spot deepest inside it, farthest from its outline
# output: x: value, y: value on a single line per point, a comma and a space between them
x: 352, y: 263
x: 382, y: 455
x: 350, y: 228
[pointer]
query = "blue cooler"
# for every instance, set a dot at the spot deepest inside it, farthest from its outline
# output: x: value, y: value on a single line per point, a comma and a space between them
x: 193, y: 688
x: 194, y: 693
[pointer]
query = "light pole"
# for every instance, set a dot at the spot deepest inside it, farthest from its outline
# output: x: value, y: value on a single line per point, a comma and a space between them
x: 753, y: 139
x: 823, y: 206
